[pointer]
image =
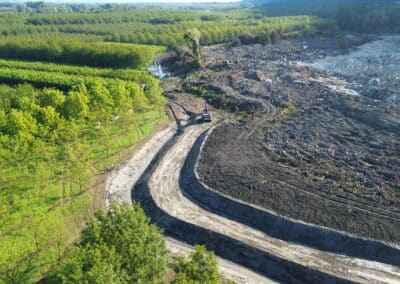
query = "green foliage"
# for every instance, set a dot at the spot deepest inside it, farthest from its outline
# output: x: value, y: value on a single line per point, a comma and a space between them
x: 120, y: 246
x: 193, y: 36
x: 47, y: 141
x: 91, y: 264
x: 123, y: 74
x: 202, y: 267
x: 76, y: 52
x: 151, y: 26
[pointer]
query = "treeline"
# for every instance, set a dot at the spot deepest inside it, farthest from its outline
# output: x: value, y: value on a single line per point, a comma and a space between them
x: 154, y: 26
x: 320, y: 8
x: 64, y: 77
x: 124, y: 74
x: 78, y: 53
x: 152, y: 16
x: 369, y: 19
x: 213, y: 32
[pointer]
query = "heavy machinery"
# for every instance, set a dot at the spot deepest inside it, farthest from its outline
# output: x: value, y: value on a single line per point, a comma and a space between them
x: 206, y: 116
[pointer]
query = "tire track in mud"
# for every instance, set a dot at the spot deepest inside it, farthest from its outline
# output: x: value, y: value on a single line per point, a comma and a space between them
x: 159, y: 193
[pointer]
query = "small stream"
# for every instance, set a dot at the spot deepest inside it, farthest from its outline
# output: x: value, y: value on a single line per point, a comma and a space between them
x: 156, y: 70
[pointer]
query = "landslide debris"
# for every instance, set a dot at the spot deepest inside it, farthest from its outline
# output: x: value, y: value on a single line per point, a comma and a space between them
x: 315, y: 150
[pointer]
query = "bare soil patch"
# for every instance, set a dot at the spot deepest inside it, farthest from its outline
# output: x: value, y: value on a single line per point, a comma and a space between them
x: 313, y: 150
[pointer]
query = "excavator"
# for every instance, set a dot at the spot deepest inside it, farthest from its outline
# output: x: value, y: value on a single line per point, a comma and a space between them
x: 206, y: 115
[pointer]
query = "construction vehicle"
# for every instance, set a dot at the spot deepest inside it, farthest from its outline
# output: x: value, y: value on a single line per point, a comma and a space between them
x: 206, y: 116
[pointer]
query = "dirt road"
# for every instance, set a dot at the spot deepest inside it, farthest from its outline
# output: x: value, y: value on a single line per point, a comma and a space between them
x: 172, y: 210
x: 121, y: 181
x: 166, y: 193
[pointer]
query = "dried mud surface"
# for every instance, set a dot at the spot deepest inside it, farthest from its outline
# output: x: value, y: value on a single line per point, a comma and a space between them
x: 313, y: 151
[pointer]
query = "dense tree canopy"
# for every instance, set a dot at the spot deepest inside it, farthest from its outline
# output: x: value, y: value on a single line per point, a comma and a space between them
x: 78, y: 53
x: 120, y: 246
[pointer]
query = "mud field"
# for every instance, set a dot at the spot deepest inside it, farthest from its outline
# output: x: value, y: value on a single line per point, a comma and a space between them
x: 313, y: 148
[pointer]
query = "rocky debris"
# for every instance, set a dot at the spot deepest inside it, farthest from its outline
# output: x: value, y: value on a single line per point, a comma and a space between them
x: 321, y: 150
x: 375, y: 65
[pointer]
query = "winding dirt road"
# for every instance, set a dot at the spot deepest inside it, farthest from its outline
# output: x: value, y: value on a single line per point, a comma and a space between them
x: 121, y: 181
x: 168, y: 205
x: 165, y: 190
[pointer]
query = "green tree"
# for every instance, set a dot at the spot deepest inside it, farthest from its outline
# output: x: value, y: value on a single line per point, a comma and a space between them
x: 51, y: 97
x: 120, y: 246
x: 76, y: 105
x: 202, y: 267
x: 21, y: 123
x: 140, y: 102
x: 193, y: 37
x: 91, y: 264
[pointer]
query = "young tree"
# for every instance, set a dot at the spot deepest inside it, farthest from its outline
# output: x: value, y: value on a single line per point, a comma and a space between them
x: 76, y: 105
x: 201, y: 268
x: 51, y: 97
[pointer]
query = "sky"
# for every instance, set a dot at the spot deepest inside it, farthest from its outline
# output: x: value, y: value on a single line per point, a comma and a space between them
x: 125, y: 1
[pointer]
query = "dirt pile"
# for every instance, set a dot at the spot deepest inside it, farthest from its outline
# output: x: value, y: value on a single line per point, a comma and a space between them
x: 313, y: 153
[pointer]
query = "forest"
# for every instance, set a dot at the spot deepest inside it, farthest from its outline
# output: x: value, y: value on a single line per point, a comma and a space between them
x: 150, y: 25
x: 75, y: 98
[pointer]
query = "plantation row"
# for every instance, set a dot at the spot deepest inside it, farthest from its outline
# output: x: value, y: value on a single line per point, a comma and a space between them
x: 123, y: 74
x: 75, y: 52
x: 43, y: 79
x: 147, y: 15
x: 28, y: 110
x: 211, y: 32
